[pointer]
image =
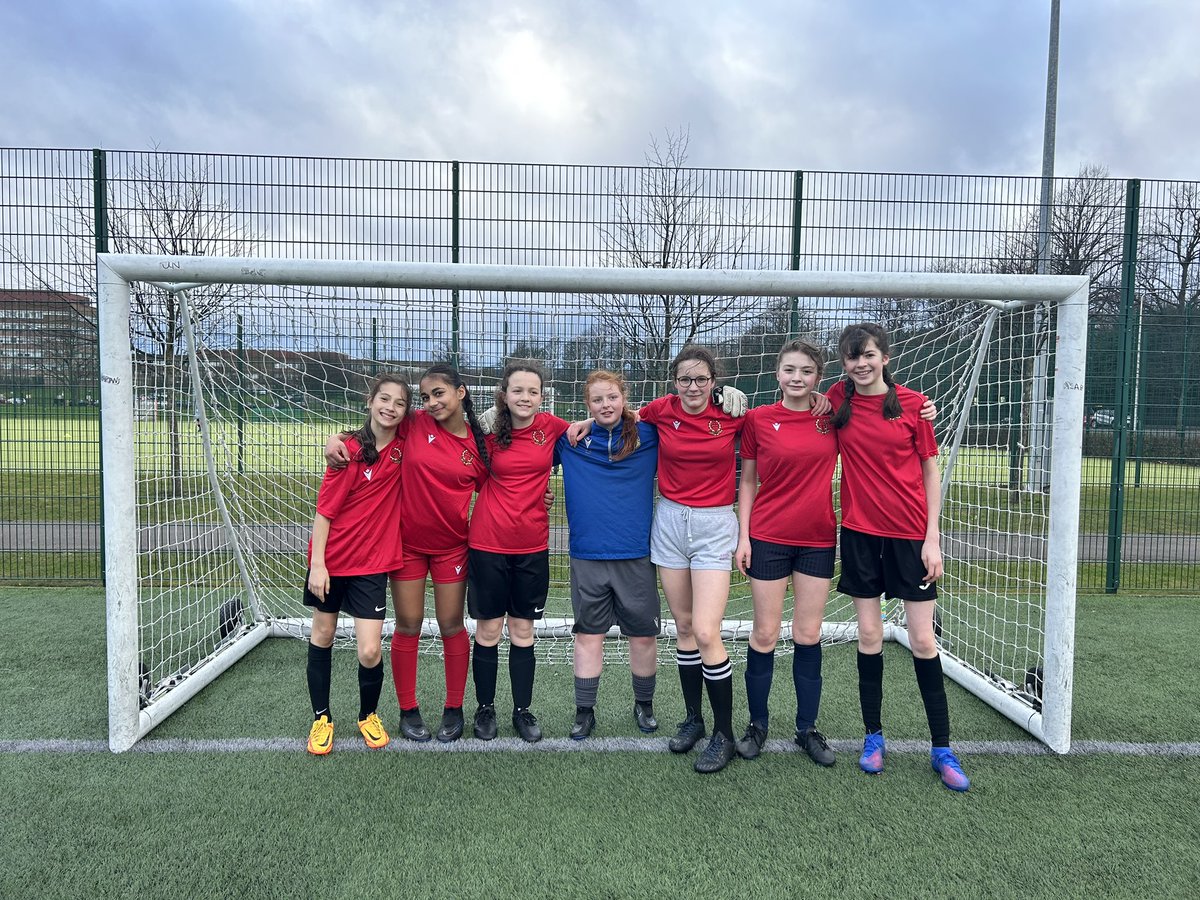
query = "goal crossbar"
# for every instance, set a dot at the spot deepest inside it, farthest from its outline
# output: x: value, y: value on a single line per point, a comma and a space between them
x: 116, y: 272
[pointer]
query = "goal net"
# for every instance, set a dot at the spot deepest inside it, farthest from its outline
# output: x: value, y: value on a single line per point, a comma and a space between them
x: 223, y: 377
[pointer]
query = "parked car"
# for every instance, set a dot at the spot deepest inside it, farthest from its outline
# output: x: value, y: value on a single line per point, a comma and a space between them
x: 1104, y: 418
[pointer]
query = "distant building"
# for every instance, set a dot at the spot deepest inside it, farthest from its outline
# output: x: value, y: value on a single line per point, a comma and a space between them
x: 45, y: 335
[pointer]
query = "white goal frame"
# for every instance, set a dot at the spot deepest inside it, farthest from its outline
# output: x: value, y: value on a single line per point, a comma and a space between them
x: 128, y: 723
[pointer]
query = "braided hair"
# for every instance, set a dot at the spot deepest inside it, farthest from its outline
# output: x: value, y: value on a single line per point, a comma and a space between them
x: 629, y: 429
x: 447, y: 373
x: 504, y: 425
x: 365, y: 436
x: 852, y: 344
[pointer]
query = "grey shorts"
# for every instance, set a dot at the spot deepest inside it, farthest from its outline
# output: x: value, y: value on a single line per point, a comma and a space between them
x: 693, y: 537
x: 623, y: 592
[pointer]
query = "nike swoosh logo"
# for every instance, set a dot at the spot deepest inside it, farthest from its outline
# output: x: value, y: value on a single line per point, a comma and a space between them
x: 381, y: 608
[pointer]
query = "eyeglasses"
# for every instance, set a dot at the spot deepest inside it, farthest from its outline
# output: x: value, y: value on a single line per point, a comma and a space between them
x: 687, y: 381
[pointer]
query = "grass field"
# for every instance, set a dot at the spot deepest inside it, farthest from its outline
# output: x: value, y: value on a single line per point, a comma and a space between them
x: 180, y: 817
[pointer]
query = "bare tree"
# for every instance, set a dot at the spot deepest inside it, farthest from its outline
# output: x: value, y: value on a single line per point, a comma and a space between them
x: 1169, y: 287
x: 1086, y: 229
x: 160, y: 204
x: 168, y: 205
x: 669, y: 216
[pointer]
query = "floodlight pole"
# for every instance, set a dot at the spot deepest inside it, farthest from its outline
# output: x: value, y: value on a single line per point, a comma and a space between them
x: 1038, y: 479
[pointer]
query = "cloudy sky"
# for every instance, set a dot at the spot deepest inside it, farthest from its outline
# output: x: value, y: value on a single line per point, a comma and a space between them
x: 946, y: 86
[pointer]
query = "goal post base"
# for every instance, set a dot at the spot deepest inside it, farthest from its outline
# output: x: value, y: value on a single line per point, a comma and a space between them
x: 190, y: 684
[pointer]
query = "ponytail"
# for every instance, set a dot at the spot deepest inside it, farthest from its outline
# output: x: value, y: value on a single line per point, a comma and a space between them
x: 891, y: 403
x: 480, y: 442
x: 841, y: 418
x: 629, y: 435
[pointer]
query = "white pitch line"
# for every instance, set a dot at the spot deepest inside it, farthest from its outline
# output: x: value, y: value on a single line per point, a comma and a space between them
x: 1171, y: 749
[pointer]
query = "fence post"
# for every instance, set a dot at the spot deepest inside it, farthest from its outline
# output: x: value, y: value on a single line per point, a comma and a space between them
x: 455, y: 211
x: 797, y: 211
x: 1124, y: 399
x: 100, y: 229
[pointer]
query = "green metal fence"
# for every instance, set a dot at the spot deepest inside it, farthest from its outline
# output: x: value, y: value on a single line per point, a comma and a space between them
x: 1139, y: 242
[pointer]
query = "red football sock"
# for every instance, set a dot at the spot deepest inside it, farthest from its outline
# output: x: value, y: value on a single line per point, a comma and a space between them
x: 456, y: 652
x: 404, y: 668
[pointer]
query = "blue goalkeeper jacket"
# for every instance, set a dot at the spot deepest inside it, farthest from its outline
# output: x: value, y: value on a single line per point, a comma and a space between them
x: 609, y: 504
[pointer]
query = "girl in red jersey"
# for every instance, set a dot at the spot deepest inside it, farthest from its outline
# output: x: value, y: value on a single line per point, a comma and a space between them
x: 890, y: 540
x: 355, y: 543
x: 445, y: 459
x: 787, y: 529
x: 692, y: 543
x: 508, y: 546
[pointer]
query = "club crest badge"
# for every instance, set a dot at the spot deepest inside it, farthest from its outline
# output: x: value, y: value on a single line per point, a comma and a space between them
x: 538, y: 437
x: 824, y: 425
x: 714, y: 427
x: 395, y: 455
x: 468, y: 458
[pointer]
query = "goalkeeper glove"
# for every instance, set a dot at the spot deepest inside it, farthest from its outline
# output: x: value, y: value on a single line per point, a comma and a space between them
x: 487, y: 421
x: 731, y: 400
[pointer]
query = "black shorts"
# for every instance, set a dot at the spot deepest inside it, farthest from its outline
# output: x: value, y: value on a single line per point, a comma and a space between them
x: 873, y: 565
x: 513, y: 584
x: 770, y: 561
x: 361, y: 596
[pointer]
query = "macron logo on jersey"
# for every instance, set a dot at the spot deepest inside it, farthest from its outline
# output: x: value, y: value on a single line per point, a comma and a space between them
x: 775, y: 425
x: 367, y: 474
x: 676, y: 424
x: 458, y: 570
x: 429, y: 438
x: 587, y: 442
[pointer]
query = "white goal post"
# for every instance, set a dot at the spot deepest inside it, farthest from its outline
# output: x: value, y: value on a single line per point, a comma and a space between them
x: 1008, y: 612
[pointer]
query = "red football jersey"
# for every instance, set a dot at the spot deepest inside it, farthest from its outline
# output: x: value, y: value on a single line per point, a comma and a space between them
x: 696, y: 460
x: 883, y: 490
x: 510, y: 515
x: 362, y: 504
x: 441, y: 472
x: 795, y: 453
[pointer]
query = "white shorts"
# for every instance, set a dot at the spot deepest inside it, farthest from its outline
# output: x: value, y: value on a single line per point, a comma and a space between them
x: 693, y: 537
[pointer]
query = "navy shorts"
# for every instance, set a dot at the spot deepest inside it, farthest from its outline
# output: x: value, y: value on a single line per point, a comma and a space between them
x: 361, y: 596
x: 770, y: 561
x: 873, y: 566
x: 507, y: 584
